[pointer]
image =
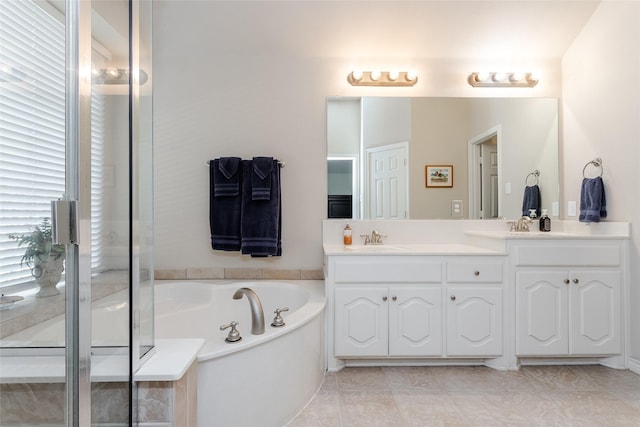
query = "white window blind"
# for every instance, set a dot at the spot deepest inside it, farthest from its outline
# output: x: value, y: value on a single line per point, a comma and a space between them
x: 32, y: 129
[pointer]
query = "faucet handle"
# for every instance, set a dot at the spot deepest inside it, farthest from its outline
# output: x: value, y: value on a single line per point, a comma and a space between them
x: 278, y: 321
x: 233, y: 335
x: 367, y: 238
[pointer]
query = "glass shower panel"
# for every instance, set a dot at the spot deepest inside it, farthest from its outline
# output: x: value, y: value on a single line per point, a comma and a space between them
x: 32, y: 173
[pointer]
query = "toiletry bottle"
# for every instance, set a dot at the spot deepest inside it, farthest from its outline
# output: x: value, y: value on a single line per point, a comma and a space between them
x: 346, y: 235
x: 545, y: 221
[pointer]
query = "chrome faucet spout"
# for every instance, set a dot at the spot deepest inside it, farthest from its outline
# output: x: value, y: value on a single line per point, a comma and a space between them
x: 257, y: 313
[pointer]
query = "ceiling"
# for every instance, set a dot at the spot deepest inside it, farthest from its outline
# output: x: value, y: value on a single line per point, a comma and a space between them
x: 380, y: 29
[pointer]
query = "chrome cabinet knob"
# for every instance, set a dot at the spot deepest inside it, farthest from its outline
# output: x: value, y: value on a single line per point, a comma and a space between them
x: 394, y: 298
x: 476, y: 273
x: 384, y: 298
x: 576, y: 281
x: 566, y: 281
x: 452, y: 297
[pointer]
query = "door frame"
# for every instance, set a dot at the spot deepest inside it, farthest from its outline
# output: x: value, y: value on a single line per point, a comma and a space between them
x: 474, y: 171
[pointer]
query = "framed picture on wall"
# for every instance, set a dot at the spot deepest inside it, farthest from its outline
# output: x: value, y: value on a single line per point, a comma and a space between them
x: 438, y: 176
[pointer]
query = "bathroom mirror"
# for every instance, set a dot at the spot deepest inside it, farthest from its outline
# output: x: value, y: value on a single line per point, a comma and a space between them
x: 387, y: 155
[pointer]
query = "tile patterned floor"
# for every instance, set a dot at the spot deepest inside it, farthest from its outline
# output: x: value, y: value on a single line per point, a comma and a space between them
x: 566, y: 396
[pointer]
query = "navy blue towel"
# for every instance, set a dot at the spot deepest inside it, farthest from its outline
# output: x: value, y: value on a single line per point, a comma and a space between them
x: 593, y: 204
x: 531, y: 200
x: 261, y: 219
x: 225, y: 203
x: 261, y: 178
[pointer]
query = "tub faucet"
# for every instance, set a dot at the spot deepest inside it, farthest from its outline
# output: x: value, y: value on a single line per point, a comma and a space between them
x: 257, y: 314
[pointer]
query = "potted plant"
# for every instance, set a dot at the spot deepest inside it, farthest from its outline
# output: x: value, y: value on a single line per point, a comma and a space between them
x: 45, y: 259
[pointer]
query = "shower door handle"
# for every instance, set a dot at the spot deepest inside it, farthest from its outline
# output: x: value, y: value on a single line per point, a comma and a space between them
x: 64, y: 223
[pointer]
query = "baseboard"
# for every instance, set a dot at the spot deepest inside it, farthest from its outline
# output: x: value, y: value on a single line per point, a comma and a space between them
x: 634, y: 365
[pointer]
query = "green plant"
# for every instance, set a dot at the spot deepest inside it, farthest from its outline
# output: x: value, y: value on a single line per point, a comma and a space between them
x: 39, y: 244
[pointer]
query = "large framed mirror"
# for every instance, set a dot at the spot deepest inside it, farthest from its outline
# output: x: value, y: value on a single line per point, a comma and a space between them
x: 381, y: 151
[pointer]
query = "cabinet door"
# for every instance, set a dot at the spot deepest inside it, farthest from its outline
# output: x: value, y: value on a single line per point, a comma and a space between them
x: 361, y: 322
x: 595, y: 312
x: 415, y: 321
x: 542, y: 313
x: 474, y: 321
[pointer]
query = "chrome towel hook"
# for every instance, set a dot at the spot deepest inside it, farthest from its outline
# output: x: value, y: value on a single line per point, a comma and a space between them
x: 597, y: 162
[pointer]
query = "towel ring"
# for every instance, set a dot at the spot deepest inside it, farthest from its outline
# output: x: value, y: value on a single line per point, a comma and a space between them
x: 597, y: 162
x: 535, y: 173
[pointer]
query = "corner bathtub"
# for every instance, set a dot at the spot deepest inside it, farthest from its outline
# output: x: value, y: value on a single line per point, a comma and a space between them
x: 262, y: 380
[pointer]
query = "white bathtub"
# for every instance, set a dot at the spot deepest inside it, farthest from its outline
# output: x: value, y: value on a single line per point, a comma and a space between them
x: 262, y: 380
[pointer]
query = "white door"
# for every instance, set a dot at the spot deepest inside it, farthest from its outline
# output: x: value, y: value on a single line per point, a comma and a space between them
x: 595, y: 312
x: 415, y: 322
x: 361, y: 322
x: 542, y: 313
x: 387, y: 182
x: 474, y: 322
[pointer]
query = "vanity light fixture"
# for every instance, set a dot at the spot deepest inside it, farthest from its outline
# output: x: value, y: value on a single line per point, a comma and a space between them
x: 502, y: 79
x: 382, y: 78
x: 115, y: 76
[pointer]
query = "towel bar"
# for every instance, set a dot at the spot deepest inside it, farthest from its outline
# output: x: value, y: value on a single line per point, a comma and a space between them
x: 597, y: 162
x: 281, y: 164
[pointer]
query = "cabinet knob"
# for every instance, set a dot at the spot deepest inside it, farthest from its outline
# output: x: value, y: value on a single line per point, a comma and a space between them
x: 384, y: 298
x: 476, y: 273
x: 394, y: 298
x: 452, y: 297
x: 576, y: 281
x: 566, y: 281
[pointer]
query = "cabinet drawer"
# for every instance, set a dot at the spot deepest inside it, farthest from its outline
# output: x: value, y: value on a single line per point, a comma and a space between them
x: 470, y: 272
x: 377, y: 270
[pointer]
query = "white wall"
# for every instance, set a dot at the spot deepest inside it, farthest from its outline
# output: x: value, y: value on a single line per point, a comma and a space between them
x: 214, y: 96
x: 601, y: 118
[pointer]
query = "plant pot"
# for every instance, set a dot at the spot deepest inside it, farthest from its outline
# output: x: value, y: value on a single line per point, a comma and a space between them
x: 47, y: 273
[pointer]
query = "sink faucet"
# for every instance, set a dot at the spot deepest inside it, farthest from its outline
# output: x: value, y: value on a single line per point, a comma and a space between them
x: 521, y: 225
x: 257, y: 314
x: 374, y: 239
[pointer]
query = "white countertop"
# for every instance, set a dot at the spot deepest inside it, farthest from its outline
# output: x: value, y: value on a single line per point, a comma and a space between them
x: 411, y: 249
x: 169, y: 362
x: 541, y: 235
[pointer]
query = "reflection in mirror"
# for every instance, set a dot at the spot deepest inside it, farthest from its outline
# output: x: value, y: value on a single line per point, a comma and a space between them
x: 491, y: 144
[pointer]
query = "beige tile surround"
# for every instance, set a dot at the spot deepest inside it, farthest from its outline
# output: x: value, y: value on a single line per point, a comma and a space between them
x: 195, y: 273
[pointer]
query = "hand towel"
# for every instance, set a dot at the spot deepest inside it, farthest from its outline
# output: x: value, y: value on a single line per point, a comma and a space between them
x: 226, y: 176
x: 261, y: 223
x: 225, y: 203
x: 261, y: 177
x: 593, y: 204
x: 531, y: 200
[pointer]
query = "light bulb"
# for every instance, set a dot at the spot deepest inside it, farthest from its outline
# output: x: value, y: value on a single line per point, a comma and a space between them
x: 356, y: 75
x: 499, y: 77
x: 393, y: 75
x: 412, y: 75
x: 482, y: 76
x: 517, y: 77
x: 113, y: 72
x: 375, y: 75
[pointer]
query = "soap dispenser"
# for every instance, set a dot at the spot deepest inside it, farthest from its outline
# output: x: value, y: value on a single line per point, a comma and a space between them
x: 545, y: 221
x: 346, y: 235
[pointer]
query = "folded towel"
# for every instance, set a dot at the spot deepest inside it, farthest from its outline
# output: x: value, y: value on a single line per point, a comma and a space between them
x: 225, y: 203
x: 226, y: 179
x: 261, y: 222
x: 593, y: 204
x: 531, y: 200
x: 261, y: 177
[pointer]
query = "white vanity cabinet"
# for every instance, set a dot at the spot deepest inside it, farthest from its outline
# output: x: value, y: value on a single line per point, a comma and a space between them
x: 415, y: 306
x: 569, y: 298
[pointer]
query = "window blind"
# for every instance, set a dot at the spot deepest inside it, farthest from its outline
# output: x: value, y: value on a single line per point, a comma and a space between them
x: 32, y: 130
